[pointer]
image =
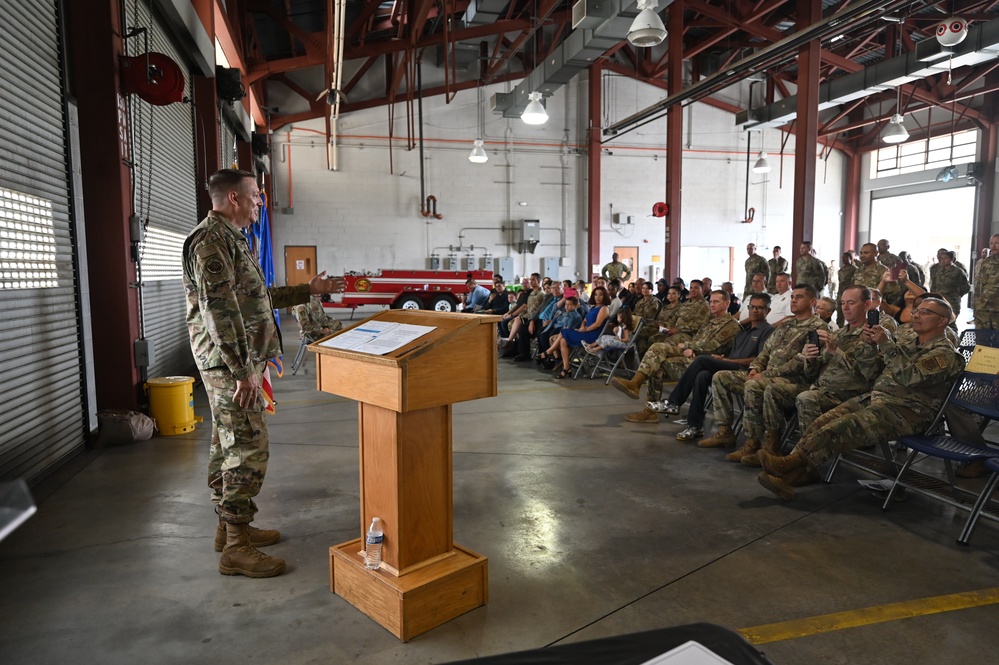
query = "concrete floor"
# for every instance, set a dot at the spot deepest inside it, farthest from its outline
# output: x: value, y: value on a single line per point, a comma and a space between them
x: 593, y: 527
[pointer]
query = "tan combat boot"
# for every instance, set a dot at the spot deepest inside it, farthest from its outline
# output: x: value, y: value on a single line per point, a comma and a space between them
x: 784, y: 486
x: 724, y: 437
x: 239, y: 557
x: 751, y: 446
x: 644, y: 416
x: 258, y: 537
x: 771, y: 444
x: 776, y: 465
x: 630, y: 388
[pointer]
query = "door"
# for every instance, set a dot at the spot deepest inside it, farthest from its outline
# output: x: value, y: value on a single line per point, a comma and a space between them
x: 299, y: 264
x: 629, y: 257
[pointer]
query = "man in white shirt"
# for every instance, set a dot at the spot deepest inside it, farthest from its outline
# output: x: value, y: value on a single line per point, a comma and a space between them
x: 780, y: 304
x: 757, y: 285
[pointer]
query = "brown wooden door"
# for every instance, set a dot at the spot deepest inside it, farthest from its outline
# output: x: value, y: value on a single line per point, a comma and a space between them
x: 299, y: 264
x: 629, y: 257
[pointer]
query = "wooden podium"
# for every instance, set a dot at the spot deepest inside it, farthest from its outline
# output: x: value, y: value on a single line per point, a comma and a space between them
x: 404, y: 422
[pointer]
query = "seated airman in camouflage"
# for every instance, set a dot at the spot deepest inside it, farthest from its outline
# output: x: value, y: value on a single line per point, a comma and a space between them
x: 780, y: 358
x: 842, y: 366
x: 665, y: 319
x: 668, y: 361
x: 905, y: 331
x: 884, y: 320
x: 648, y: 305
x: 919, y: 374
x: 691, y: 315
x: 313, y: 321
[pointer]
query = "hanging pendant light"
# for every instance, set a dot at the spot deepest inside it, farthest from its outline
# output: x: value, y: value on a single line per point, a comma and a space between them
x: 762, y: 165
x: 478, y: 154
x: 535, y: 113
x: 647, y: 29
x: 896, y: 132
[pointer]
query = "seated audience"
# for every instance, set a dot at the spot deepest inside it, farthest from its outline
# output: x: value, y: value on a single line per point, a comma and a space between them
x: 623, y: 329
x: 780, y: 304
x: 567, y: 339
x: 314, y: 323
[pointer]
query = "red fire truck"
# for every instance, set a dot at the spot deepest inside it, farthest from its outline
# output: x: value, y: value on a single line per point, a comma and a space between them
x: 439, y: 290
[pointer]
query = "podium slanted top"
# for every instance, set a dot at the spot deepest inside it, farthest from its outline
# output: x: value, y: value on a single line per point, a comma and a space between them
x: 454, y: 362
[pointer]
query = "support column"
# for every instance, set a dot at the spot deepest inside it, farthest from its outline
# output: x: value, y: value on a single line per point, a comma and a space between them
x: 95, y: 45
x: 674, y: 144
x: 206, y: 117
x: 851, y: 202
x: 593, y: 166
x: 806, y: 128
x: 984, y: 220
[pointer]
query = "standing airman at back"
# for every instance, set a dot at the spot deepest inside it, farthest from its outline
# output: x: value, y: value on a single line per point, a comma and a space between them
x: 754, y: 264
x: 987, y: 288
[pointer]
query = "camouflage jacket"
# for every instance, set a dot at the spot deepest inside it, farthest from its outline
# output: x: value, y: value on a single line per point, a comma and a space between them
x: 755, y: 264
x: 952, y: 284
x: 715, y: 336
x: 811, y: 271
x: 888, y: 260
x: 888, y: 323
x: 781, y: 355
x: 313, y: 319
x: 668, y: 315
x: 916, y: 273
x: 230, y: 310
x: 870, y: 276
x: 693, y: 314
x: 987, y: 284
x: 616, y: 270
x: 776, y: 266
x: 647, y: 308
x: 917, y: 378
x: 846, y: 276
x: 535, y: 303
x: 851, y: 369
x: 905, y: 332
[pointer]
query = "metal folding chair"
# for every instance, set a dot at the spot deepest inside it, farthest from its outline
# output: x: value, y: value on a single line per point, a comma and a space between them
x: 983, y: 499
x: 980, y: 337
x: 300, y: 356
x: 615, y: 358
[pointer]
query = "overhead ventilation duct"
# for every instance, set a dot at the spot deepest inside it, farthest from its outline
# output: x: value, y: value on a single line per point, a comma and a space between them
x: 929, y: 58
x: 484, y: 12
x: 610, y: 20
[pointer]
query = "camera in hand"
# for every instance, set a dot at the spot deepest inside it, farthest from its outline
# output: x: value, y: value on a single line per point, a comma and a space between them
x: 873, y: 318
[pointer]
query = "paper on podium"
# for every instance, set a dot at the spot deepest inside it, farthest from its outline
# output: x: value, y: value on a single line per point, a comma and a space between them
x: 689, y: 653
x: 377, y: 337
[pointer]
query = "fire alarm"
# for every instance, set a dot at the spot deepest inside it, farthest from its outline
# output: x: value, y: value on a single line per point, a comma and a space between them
x: 660, y: 209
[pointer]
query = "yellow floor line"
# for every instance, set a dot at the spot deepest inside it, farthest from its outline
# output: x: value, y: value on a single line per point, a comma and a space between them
x: 789, y: 630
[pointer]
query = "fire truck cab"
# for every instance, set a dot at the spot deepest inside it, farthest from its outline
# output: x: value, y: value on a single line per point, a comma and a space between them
x: 438, y: 290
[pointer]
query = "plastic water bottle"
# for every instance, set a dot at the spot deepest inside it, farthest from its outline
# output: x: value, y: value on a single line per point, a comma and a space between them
x: 373, y: 545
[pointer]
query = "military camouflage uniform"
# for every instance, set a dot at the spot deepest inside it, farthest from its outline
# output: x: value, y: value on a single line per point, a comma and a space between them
x: 647, y: 308
x: 845, y: 275
x: 691, y: 315
x: 836, y: 376
x: 666, y: 318
x: 810, y: 270
x: 888, y: 323
x: 534, y: 302
x: 987, y: 293
x: 904, y: 400
x: 615, y: 270
x: 230, y: 318
x: 779, y: 360
x: 952, y: 284
x: 776, y: 266
x: 665, y: 363
x: 755, y: 264
x: 312, y: 319
x: 870, y: 276
x: 888, y: 260
x: 916, y: 273
x: 905, y: 332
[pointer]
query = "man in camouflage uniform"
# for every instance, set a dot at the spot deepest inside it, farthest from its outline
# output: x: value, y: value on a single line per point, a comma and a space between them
x: 754, y: 264
x: 886, y: 258
x: 847, y: 271
x: 872, y: 274
x: 885, y: 321
x: 950, y: 281
x: 230, y: 317
x: 667, y: 361
x: 313, y: 321
x: 529, y: 324
x: 810, y: 270
x: 692, y: 314
x: 919, y: 374
x: 779, y: 359
x: 987, y: 288
x: 776, y: 265
x: 843, y: 366
x: 912, y: 269
x: 664, y: 320
x: 648, y: 305
x: 615, y: 270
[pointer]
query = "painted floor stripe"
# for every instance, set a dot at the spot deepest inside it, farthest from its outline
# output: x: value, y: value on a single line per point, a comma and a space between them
x: 789, y: 630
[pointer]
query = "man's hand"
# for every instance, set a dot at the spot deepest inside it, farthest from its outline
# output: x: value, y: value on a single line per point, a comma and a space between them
x: 753, y: 374
x: 827, y: 338
x: 247, y: 391
x: 874, y: 335
x: 689, y: 353
x: 530, y: 327
x: 321, y: 284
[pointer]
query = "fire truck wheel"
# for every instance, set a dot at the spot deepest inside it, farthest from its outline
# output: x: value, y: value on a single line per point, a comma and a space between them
x: 408, y: 302
x: 443, y: 304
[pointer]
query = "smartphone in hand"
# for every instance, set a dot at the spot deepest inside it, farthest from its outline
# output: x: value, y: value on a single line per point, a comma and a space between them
x: 813, y: 337
x: 873, y: 318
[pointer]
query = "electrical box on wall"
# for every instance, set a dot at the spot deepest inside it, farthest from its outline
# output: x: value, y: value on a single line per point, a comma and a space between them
x: 549, y: 267
x: 504, y: 267
x: 621, y: 219
x: 528, y: 233
x: 435, y: 262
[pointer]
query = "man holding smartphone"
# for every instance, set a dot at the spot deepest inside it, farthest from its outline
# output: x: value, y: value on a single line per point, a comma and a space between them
x: 841, y: 366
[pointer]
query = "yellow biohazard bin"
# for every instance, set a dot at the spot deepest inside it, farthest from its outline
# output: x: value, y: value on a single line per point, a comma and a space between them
x: 171, y: 404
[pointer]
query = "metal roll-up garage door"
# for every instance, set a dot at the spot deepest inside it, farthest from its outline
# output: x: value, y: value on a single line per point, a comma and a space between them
x: 227, y: 144
x: 166, y: 194
x: 42, y: 414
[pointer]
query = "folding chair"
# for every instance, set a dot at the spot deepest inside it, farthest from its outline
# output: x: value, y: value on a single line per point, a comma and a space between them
x: 583, y: 360
x: 980, y: 337
x: 614, y: 358
x: 983, y: 499
x: 300, y: 356
x: 977, y: 393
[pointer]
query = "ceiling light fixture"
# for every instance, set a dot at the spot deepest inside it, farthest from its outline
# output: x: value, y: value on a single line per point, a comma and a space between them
x: 647, y: 29
x: 896, y: 132
x: 535, y: 113
x: 762, y: 165
x: 478, y: 154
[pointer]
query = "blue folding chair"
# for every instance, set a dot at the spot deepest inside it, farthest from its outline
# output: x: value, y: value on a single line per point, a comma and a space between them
x: 977, y: 393
x: 980, y: 337
x: 992, y: 465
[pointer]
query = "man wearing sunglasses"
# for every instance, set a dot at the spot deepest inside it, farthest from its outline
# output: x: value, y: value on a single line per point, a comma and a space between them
x: 919, y: 373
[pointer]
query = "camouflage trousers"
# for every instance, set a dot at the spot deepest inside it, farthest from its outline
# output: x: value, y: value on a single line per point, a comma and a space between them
x: 657, y: 355
x: 644, y: 337
x: 725, y: 386
x: 237, y: 456
x: 776, y: 399
x: 986, y: 319
x: 658, y: 337
x: 857, y: 423
x: 669, y: 371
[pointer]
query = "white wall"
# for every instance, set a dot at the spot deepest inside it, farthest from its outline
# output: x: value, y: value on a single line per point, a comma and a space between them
x: 362, y: 217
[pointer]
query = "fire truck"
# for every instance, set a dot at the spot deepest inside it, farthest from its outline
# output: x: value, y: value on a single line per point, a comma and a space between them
x: 438, y: 290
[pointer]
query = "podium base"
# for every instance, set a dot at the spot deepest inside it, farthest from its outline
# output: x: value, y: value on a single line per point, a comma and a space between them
x: 414, y: 603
